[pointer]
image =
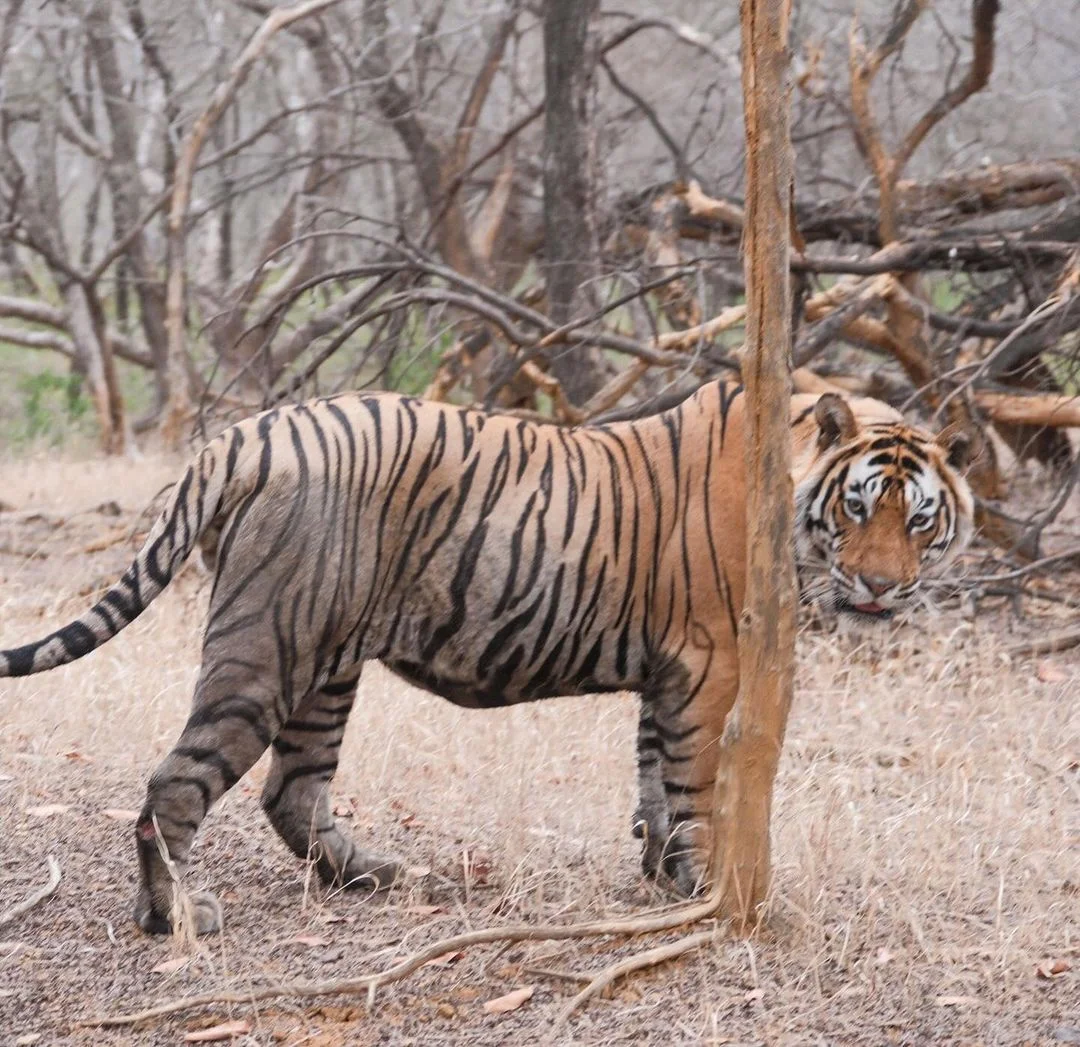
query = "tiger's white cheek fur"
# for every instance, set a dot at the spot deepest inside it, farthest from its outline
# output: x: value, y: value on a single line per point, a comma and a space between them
x: 813, y: 543
x: 925, y: 493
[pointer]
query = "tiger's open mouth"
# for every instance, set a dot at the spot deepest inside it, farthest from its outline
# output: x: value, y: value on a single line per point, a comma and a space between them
x: 868, y: 610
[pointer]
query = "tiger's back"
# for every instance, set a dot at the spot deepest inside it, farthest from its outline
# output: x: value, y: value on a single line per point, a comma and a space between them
x: 487, y: 558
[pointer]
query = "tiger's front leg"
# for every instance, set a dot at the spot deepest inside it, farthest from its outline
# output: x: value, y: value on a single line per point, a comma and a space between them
x: 650, y: 822
x: 687, y: 715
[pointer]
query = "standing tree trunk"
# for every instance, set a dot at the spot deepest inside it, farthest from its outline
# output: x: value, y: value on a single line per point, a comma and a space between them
x: 94, y: 353
x: 125, y: 190
x: 754, y: 733
x: 569, y: 66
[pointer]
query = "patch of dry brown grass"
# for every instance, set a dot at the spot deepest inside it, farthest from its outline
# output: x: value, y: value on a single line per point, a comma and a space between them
x: 926, y: 834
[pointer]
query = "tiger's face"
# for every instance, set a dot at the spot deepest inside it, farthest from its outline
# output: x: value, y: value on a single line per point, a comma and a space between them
x: 883, y: 505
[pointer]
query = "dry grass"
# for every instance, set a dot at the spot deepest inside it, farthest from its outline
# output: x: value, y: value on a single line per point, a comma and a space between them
x: 926, y: 838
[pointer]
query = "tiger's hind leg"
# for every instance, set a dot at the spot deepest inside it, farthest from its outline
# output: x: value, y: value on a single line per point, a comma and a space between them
x: 296, y: 796
x: 231, y: 725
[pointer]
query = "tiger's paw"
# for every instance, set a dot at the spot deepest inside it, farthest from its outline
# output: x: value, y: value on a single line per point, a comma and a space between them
x: 677, y: 870
x: 686, y: 875
x: 200, y: 911
x: 364, y: 872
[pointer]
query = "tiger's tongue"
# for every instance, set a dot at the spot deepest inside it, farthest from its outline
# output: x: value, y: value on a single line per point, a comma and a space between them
x: 869, y: 608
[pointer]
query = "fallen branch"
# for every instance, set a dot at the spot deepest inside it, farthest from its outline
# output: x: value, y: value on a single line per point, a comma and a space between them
x: 1058, y: 302
x: 665, y: 920
x: 638, y: 962
x: 834, y: 323
x: 978, y: 254
x: 35, y: 897
x: 952, y: 203
x: 548, y: 384
x: 1061, y: 641
x: 1071, y: 556
x: 803, y: 380
x: 607, y: 397
x: 702, y: 206
x: 682, y: 341
x: 1058, y: 410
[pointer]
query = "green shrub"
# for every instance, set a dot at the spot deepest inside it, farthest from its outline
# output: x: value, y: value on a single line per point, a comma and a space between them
x: 52, y: 403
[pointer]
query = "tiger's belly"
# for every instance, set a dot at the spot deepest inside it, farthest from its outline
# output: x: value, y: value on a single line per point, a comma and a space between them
x: 494, y: 670
x: 503, y: 662
x: 482, y: 694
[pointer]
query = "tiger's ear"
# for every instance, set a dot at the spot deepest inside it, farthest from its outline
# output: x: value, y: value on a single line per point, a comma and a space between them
x: 956, y: 444
x: 835, y: 421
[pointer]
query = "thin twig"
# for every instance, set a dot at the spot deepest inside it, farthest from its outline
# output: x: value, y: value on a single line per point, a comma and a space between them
x: 1020, y: 572
x: 565, y: 976
x: 35, y: 897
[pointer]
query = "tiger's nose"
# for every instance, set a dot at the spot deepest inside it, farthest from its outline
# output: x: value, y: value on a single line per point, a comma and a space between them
x: 877, y: 584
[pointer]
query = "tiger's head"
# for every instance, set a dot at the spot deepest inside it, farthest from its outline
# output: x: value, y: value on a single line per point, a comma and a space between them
x: 879, y: 503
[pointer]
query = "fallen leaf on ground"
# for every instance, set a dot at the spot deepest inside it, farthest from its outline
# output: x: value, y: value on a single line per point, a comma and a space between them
x: 216, y: 1033
x: 1052, y: 968
x: 47, y: 810
x: 510, y: 1002
x: 1047, y: 672
x: 121, y: 814
x: 424, y: 910
x: 956, y: 1001
x: 445, y: 959
x: 479, y: 867
x: 178, y: 963
x: 311, y: 940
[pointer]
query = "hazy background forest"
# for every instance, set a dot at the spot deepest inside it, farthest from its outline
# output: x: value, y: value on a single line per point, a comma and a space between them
x: 361, y: 202
x: 212, y: 206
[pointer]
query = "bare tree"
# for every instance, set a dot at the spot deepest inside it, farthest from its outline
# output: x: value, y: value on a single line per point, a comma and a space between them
x: 754, y: 732
x: 569, y: 229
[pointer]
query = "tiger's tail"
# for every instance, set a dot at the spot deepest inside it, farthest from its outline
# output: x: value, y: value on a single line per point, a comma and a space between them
x: 192, y: 508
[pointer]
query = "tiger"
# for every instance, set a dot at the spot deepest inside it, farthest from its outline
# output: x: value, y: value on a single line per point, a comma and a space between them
x: 494, y: 560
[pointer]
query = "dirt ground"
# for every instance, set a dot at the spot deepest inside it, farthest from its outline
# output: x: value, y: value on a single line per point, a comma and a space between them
x: 926, y: 835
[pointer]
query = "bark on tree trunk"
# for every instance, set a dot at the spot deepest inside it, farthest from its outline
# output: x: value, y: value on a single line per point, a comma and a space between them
x: 94, y: 353
x: 124, y: 184
x: 754, y: 733
x: 569, y: 66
